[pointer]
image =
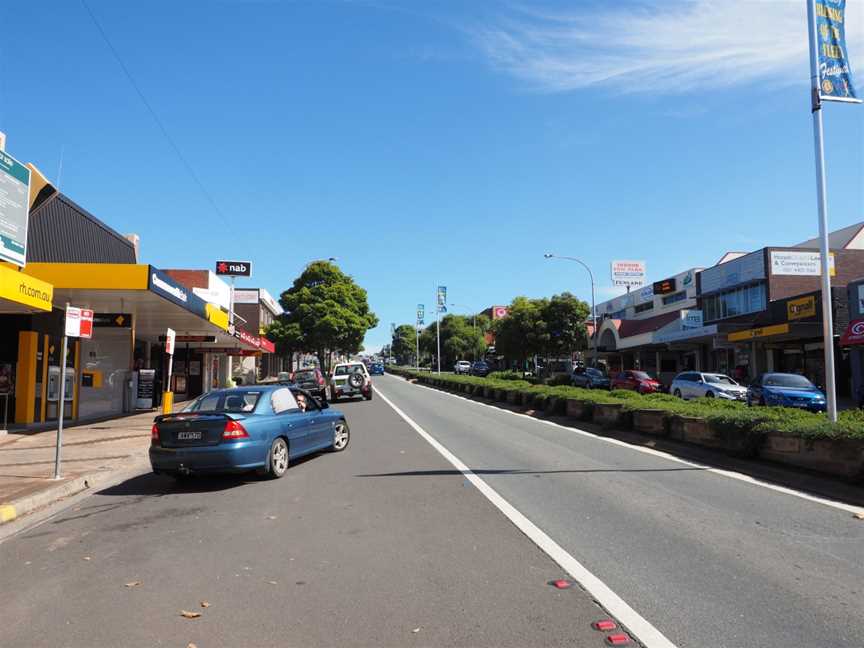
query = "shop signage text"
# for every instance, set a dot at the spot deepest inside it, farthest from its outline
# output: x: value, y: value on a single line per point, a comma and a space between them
x: 113, y: 320
x: 691, y: 319
x: 801, y: 308
x: 765, y: 331
x: 14, y: 209
x: 24, y: 289
x: 628, y: 273
x: 162, y: 285
x: 234, y: 268
x: 806, y: 264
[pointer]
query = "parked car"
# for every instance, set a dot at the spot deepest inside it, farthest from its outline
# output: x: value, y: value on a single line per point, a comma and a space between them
x: 480, y: 368
x: 557, y: 368
x: 589, y: 378
x: 697, y: 384
x: 350, y: 379
x: 376, y: 369
x: 637, y: 381
x: 462, y: 367
x: 244, y: 429
x: 311, y: 380
x: 788, y: 390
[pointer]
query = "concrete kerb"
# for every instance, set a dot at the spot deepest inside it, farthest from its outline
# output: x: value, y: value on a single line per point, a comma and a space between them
x: 18, y: 508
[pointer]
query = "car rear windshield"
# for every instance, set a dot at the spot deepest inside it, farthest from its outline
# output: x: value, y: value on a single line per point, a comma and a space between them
x: 787, y: 380
x: 641, y: 375
x: 305, y: 375
x: 218, y: 402
x: 596, y: 373
x: 344, y: 370
x: 718, y: 379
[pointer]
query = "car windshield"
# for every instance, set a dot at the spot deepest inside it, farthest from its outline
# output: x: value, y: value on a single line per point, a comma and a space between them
x: 719, y: 379
x: 225, y: 401
x: 641, y: 375
x: 594, y: 373
x: 792, y: 381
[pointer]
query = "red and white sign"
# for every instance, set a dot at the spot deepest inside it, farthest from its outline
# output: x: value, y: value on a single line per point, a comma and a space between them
x: 267, y: 346
x: 499, y: 312
x: 170, y: 335
x: 79, y: 322
x: 628, y: 273
x: 854, y: 333
x: 248, y: 338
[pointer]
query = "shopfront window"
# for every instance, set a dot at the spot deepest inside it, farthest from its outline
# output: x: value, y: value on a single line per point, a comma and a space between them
x: 641, y: 308
x: 676, y: 297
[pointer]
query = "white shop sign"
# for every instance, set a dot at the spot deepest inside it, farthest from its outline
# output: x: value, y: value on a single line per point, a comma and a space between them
x: 787, y: 263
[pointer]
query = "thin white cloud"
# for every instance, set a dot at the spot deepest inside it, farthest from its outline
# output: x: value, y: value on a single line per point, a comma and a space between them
x: 671, y: 46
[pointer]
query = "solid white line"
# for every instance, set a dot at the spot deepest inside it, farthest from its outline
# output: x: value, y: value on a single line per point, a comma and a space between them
x: 614, y: 604
x: 731, y: 474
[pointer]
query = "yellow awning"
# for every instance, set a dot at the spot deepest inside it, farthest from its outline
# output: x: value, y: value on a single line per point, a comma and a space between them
x: 25, y: 292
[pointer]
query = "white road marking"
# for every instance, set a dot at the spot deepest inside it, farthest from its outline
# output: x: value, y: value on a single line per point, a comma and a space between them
x: 731, y: 474
x: 614, y: 604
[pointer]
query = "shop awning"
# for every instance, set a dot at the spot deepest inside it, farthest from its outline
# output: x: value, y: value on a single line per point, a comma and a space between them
x: 22, y: 293
x: 854, y: 333
x: 155, y: 300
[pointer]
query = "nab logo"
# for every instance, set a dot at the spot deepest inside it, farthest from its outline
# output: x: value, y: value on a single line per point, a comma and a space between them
x: 234, y: 268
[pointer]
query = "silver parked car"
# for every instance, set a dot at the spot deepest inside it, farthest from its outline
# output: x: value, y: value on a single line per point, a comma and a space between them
x: 462, y: 367
x: 696, y: 384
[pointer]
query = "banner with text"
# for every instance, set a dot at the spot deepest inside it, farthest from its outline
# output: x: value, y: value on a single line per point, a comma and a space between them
x: 442, y: 299
x: 835, y: 76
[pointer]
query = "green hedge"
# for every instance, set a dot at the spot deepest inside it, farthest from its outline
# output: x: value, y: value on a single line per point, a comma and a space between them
x: 723, y: 415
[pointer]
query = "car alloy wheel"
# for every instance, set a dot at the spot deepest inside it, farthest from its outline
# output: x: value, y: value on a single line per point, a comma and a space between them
x: 341, y: 436
x: 677, y: 393
x: 709, y: 395
x: 278, y: 458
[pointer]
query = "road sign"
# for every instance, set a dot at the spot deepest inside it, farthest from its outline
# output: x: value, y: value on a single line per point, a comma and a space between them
x: 169, y: 341
x: 14, y: 209
x: 79, y: 322
x: 234, y: 268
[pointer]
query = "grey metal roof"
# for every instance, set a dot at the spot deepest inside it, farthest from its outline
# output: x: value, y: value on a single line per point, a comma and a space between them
x: 837, y: 240
x: 61, y: 231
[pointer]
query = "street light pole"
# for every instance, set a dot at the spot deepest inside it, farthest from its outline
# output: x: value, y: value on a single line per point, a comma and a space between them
x: 593, y: 306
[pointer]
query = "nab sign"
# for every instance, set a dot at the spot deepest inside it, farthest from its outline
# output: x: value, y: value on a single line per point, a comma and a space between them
x: 234, y: 268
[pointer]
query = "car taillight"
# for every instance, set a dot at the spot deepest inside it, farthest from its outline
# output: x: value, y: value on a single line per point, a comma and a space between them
x: 154, y: 435
x: 320, y: 380
x: 233, y: 430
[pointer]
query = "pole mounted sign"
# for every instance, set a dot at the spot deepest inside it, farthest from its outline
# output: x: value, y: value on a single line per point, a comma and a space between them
x: 79, y: 322
x: 170, y: 336
x: 234, y: 268
x: 835, y: 76
x: 14, y: 209
x: 628, y: 273
x: 442, y: 299
x: 421, y: 314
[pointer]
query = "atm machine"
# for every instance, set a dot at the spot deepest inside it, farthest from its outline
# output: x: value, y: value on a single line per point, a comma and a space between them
x: 52, y: 393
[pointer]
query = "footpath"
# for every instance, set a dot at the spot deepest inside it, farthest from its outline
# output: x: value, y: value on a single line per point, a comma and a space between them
x: 92, y: 455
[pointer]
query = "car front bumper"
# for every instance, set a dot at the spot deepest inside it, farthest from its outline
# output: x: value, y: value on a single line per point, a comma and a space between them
x: 235, y: 456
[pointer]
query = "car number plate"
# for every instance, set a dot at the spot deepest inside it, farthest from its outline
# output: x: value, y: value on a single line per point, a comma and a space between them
x: 189, y: 436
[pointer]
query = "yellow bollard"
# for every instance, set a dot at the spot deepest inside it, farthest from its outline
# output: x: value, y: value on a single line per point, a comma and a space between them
x: 167, y: 402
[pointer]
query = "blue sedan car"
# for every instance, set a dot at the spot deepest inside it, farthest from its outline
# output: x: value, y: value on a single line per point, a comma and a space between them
x: 376, y: 369
x: 787, y: 390
x: 259, y: 428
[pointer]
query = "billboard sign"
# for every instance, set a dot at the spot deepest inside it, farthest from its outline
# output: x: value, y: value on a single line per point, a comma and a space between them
x: 802, y: 264
x: 234, y: 268
x: 14, y: 209
x: 628, y: 273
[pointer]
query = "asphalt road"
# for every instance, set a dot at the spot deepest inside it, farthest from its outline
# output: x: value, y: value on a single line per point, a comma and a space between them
x: 330, y: 555
x: 708, y: 560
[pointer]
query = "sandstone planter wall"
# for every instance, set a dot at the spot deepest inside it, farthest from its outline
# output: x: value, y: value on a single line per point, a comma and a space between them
x: 650, y: 421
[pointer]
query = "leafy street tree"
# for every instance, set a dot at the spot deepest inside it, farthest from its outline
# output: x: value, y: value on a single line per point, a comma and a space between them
x: 404, y: 343
x: 523, y: 333
x: 459, y: 339
x: 287, y: 337
x: 330, y: 312
x: 565, y: 317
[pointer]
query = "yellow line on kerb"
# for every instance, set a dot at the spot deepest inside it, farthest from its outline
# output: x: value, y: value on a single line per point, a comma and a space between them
x: 7, y: 513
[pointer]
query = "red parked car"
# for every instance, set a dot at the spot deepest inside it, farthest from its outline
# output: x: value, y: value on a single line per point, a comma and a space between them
x: 637, y: 381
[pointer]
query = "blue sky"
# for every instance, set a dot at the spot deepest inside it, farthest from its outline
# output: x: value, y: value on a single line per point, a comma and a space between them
x: 435, y: 142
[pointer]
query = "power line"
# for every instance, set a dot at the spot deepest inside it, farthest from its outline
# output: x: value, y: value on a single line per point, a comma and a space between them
x: 155, y: 117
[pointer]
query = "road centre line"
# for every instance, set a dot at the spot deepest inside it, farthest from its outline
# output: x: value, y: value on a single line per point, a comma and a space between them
x: 731, y: 474
x: 641, y: 628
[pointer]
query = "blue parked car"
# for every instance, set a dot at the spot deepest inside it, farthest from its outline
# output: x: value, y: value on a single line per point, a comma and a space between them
x: 590, y: 378
x: 787, y: 390
x: 259, y: 428
x: 376, y: 369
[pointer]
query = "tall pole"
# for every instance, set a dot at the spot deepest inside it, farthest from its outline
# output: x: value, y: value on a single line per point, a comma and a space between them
x: 822, y: 200
x: 438, y: 332
x: 417, y: 352
x: 61, y: 407
x: 593, y: 306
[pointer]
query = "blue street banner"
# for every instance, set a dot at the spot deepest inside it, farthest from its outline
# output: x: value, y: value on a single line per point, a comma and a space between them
x: 442, y: 299
x: 835, y: 76
x: 421, y: 314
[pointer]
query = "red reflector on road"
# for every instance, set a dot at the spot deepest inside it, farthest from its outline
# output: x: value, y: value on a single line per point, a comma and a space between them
x: 620, y: 639
x: 561, y: 584
x: 605, y: 625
